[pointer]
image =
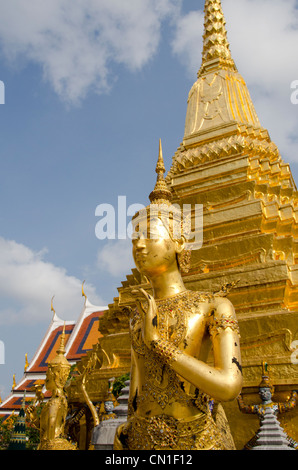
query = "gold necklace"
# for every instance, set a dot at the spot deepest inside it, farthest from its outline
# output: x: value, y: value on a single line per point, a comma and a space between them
x: 175, y: 308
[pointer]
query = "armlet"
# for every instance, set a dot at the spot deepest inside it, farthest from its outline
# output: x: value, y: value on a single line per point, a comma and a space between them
x: 217, y: 325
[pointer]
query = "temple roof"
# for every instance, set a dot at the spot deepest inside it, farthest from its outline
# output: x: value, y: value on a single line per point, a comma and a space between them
x: 50, y: 343
x: 85, y: 332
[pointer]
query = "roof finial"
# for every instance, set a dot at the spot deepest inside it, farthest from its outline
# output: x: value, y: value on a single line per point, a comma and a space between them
x: 83, y: 293
x: 26, y: 362
x: 216, y: 46
x: 161, y: 193
x: 52, y: 307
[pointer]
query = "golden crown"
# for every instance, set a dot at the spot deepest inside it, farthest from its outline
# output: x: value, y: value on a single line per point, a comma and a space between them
x: 266, y: 381
x: 60, y: 360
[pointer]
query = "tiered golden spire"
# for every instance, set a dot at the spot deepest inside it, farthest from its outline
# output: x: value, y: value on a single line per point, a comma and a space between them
x: 161, y: 193
x: 61, y: 349
x: 216, y: 48
x: 219, y: 103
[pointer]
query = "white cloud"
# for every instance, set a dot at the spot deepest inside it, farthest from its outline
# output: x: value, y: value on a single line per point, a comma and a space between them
x: 187, y: 43
x: 28, y: 282
x: 115, y: 258
x: 77, y: 41
x: 262, y: 35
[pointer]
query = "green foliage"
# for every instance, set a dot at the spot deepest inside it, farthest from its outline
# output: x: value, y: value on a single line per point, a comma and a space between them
x: 119, y: 384
x: 32, y: 432
x: 33, y: 437
x: 6, y: 430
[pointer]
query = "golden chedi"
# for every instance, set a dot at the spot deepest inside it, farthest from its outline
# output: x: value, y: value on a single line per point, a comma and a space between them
x: 172, y: 332
x: 51, y: 421
x: 228, y: 163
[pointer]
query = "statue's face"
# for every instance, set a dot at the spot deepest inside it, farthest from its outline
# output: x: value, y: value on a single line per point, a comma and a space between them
x: 154, y: 251
x: 50, y: 380
x: 265, y: 394
x: 56, y: 378
x: 109, y: 406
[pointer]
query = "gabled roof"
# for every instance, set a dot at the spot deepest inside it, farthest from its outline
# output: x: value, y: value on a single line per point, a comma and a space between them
x: 49, y: 345
x: 85, y: 333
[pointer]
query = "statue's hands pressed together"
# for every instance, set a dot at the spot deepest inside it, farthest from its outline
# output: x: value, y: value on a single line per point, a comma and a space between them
x: 149, y: 316
x: 30, y: 412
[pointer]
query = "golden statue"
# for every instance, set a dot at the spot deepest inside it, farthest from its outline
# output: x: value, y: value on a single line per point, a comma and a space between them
x: 172, y: 387
x: 52, y: 418
x: 266, y: 392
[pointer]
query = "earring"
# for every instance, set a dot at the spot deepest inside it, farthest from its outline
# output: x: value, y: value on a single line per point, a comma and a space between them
x: 184, y: 260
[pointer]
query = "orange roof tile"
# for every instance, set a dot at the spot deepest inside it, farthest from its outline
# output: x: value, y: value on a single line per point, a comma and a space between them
x: 85, y: 337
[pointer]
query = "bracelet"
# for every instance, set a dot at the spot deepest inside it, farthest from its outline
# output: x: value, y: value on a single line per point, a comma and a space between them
x: 165, y: 351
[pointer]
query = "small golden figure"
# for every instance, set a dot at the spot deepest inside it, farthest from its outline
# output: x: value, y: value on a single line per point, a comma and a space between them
x: 268, y: 410
x: 53, y: 415
x: 172, y: 332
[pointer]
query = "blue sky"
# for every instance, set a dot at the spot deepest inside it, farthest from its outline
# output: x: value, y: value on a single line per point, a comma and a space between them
x: 90, y: 87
